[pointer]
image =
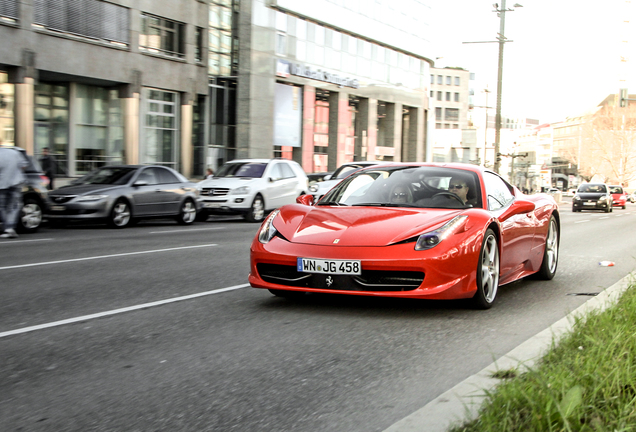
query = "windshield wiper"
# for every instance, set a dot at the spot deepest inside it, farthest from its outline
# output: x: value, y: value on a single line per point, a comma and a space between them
x: 334, y: 203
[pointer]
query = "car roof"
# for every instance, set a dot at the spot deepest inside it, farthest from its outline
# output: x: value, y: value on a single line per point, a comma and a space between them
x: 260, y: 160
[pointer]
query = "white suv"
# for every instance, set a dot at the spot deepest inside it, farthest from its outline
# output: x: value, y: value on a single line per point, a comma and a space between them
x: 252, y: 188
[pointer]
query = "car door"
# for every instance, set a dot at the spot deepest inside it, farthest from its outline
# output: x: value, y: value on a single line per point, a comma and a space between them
x: 274, y: 190
x: 517, y: 231
x: 171, y: 191
x: 143, y: 192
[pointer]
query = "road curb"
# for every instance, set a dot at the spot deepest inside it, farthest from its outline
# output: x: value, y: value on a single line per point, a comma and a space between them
x: 462, y: 402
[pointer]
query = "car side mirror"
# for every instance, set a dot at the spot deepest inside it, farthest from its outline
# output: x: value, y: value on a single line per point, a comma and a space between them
x: 140, y: 183
x: 307, y: 200
x: 519, y: 206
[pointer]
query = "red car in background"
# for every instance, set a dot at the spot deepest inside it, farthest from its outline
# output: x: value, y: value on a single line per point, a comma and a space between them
x: 619, y: 198
x: 409, y: 230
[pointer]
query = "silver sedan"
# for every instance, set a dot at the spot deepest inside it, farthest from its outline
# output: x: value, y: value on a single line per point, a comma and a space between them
x: 121, y: 195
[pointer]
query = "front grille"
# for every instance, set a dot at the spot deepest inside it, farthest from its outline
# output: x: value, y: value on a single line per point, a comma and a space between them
x: 60, y: 199
x: 369, y: 280
x: 214, y: 191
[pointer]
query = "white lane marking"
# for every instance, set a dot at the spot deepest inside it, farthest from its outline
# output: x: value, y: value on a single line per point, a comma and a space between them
x: 586, y: 220
x: 604, y: 217
x: 186, y: 230
x: 618, y: 215
x: 103, y: 256
x: 118, y: 311
x: 24, y: 241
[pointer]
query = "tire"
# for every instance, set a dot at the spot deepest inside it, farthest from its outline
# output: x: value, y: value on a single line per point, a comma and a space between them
x: 120, y: 215
x: 608, y: 210
x: 30, y: 216
x: 257, y: 210
x: 487, y: 272
x: 188, y: 213
x: 624, y: 207
x: 291, y: 295
x: 551, y: 252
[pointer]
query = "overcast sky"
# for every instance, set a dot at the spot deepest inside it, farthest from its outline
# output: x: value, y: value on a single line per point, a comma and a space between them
x: 564, y: 58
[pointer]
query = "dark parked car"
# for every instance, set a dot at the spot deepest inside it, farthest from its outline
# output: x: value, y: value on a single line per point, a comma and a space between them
x: 123, y: 194
x: 592, y: 196
x: 35, y: 198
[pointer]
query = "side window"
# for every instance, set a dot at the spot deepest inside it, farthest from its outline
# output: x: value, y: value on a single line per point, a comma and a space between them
x: 165, y: 176
x: 499, y: 195
x: 148, y: 175
x: 287, y: 171
x: 276, y: 173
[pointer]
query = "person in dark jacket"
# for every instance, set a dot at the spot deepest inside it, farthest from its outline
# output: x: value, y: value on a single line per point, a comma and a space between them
x: 48, y: 164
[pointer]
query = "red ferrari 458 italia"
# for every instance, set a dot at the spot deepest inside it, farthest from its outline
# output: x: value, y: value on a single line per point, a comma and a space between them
x: 409, y: 230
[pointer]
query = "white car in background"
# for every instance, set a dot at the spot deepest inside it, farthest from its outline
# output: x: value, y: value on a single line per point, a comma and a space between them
x: 252, y: 188
x: 318, y: 189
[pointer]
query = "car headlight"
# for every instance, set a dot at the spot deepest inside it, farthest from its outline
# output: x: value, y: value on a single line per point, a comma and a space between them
x: 268, y: 231
x: 433, y: 238
x: 243, y: 190
x: 313, y: 188
x: 577, y: 198
x: 86, y: 198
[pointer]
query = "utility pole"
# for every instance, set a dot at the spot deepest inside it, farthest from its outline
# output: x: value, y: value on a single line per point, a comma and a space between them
x: 501, y: 40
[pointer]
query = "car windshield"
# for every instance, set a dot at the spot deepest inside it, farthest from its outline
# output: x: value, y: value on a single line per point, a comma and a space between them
x: 591, y: 188
x: 107, y: 176
x: 616, y: 189
x: 242, y: 169
x: 410, y: 186
x: 345, y: 170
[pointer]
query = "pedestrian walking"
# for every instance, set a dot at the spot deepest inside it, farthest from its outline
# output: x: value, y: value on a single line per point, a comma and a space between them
x: 49, y: 165
x: 12, y: 165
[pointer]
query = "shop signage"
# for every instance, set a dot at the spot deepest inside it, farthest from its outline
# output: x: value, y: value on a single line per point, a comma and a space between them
x: 285, y: 69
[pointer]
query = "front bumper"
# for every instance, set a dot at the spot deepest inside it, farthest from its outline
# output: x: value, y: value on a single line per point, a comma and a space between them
x: 590, y: 205
x: 79, y: 210
x: 390, y: 271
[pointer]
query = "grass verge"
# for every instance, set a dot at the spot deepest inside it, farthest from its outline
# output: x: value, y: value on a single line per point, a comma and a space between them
x: 585, y: 383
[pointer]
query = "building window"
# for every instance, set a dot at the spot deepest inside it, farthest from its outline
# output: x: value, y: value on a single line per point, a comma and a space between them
x: 446, y: 126
x: 439, y: 95
x: 456, y: 80
x: 451, y: 114
x: 438, y: 125
x: 222, y: 55
x: 440, y: 79
x: 159, y: 35
x: 160, y: 144
x: 7, y: 98
x: 448, y: 80
x: 281, y: 43
x: 432, y: 94
x: 198, y: 49
x: 456, y: 97
x: 91, y: 18
x: 455, y: 126
x: 51, y: 122
x: 438, y: 113
x: 9, y: 9
x: 98, y: 127
x: 432, y: 79
x: 448, y: 96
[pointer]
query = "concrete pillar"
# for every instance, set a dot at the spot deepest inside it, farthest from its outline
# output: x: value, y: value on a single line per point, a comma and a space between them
x: 338, y: 106
x: 416, y: 145
x: 309, y: 113
x: 367, y: 126
x: 131, y: 128
x: 394, y: 129
x: 186, y: 139
x: 24, y: 109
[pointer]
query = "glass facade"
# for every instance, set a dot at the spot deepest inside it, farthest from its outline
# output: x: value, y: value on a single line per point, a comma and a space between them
x: 51, y: 122
x: 222, y: 43
x: 160, y: 131
x: 7, y: 116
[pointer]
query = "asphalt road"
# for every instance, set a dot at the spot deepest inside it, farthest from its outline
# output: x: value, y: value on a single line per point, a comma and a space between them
x: 236, y: 358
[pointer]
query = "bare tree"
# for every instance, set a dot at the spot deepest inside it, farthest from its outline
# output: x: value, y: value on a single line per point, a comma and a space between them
x: 609, y: 143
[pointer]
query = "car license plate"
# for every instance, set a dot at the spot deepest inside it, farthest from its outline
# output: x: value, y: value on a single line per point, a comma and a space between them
x: 336, y: 267
x: 211, y: 205
x: 58, y: 208
x: 589, y: 203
